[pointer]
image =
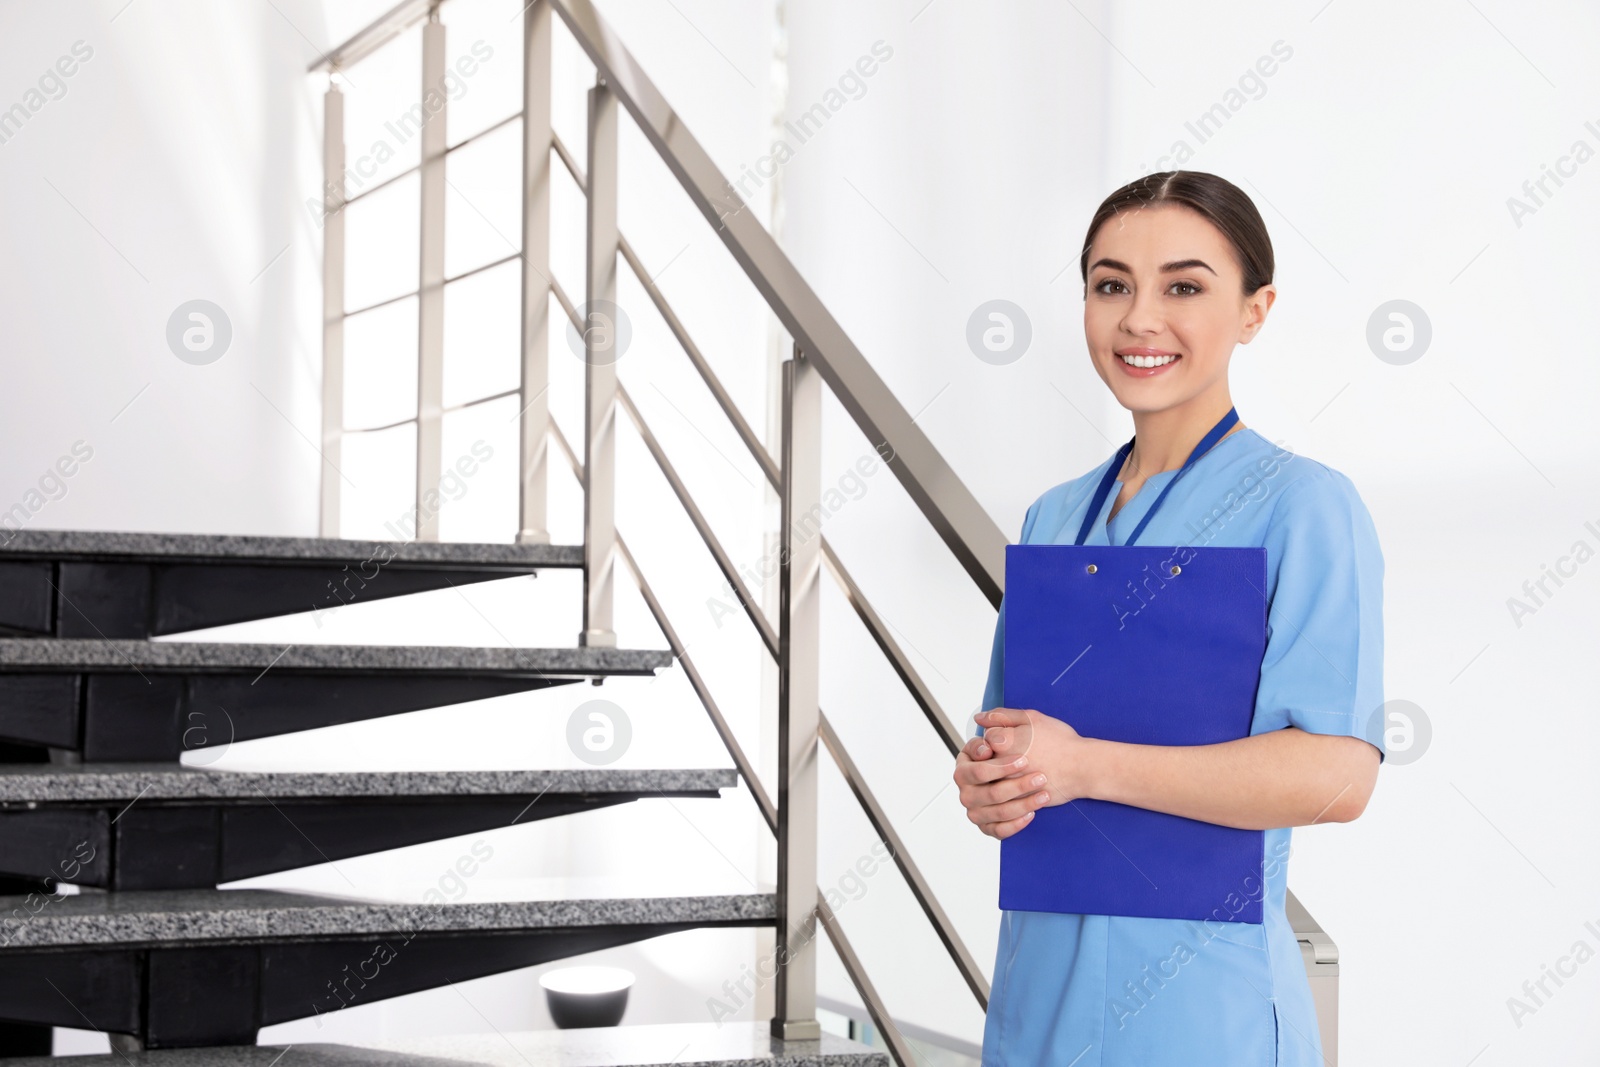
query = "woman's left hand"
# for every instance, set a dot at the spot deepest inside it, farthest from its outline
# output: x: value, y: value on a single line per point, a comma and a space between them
x: 1053, y: 748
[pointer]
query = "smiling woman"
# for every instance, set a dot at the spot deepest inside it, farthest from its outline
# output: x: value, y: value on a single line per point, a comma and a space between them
x: 1177, y: 273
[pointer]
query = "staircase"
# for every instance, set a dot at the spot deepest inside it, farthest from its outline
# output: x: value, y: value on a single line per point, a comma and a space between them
x: 93, y: 795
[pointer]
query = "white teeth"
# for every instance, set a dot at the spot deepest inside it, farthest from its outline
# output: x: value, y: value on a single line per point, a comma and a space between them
x: 1147, y: 361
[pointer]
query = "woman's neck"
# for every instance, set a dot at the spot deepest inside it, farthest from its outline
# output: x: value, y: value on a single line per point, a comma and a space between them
x: 1164, y: 439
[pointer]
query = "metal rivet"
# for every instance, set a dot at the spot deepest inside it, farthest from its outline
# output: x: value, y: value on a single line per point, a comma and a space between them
x: 1175, y: 570
x: 1091, y: 568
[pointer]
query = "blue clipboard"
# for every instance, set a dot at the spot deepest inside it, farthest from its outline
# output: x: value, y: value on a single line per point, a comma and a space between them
x: 1113, y: 641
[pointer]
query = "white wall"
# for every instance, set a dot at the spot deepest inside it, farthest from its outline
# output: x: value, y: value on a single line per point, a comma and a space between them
x: 168, y: 171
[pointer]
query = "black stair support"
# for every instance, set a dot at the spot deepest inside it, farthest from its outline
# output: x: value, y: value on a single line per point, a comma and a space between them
x: 188, y: 996
x: 157, y: 716
x: 26, y: 598
x: 97, y: 598
x: 154, y: 844
x: 40, y: 710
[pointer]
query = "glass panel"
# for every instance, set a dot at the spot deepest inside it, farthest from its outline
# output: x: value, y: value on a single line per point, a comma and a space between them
x: 380, y: 127
x: 484, y: 53
x: 482, y: 334
x: 380, y: 365
x: 378, y: 501
x: 479, y: 473
x: 483, y: 220
x: 382, y: 244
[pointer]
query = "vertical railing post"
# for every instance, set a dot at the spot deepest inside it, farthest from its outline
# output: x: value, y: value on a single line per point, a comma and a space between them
x: 799, y: 573
x: 430, y: 281
x: 534, y: 429
x: 332, y: 306
x: 600, y: 354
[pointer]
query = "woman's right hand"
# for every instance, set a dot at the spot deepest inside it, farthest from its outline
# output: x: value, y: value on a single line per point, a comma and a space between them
x: 999, y: 793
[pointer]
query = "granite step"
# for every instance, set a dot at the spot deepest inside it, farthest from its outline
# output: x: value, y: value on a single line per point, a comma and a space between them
x: 732, y: 1044
x: 91, y: 583
x: 210, y: 967
x: 129, y: 826
x: 152, y: 700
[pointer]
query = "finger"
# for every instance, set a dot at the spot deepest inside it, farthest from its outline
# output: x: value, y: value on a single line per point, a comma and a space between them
x: 1002, y: 830
x: 981, y: 772
x: 1010, y: 740
x: 1011, y: 809
x: 1002, y: 717
x: 1002, y: 791
x: 977, y: 748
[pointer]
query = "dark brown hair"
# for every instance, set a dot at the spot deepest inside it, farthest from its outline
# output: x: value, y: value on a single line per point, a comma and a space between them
x: 1215, y: 199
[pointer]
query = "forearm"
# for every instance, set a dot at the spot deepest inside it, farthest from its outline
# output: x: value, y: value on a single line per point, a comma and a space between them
x: 1284, y: 777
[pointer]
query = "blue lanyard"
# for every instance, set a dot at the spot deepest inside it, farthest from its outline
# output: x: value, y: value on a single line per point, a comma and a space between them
x: 1099, y: 500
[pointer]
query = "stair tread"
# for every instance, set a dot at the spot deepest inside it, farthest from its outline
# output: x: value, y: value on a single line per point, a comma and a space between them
x: 192, y: 916
x: 45, y: 782
x: 128, y: 654
x: 728, y: 1044
x: 234, y: 548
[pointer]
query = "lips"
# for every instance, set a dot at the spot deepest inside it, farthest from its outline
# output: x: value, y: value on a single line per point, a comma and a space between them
x: 1146, y: 362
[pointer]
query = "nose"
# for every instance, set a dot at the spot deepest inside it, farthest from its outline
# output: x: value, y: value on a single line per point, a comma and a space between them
x: 1144, y: 313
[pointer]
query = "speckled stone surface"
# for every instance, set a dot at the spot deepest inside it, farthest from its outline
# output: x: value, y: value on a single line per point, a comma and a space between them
x: 123, y: 655
x: 123, y: 782
x: 250, y: 1056
x: 704, y: 1044
x: 230, y: 548
x: 701, y: 1044
x: 190, y: 916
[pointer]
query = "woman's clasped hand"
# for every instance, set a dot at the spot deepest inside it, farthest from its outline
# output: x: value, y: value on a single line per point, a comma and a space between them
x: 1024, y: 760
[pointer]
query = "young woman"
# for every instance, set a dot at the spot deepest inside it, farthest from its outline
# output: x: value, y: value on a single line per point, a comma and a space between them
x: 1177, y: 270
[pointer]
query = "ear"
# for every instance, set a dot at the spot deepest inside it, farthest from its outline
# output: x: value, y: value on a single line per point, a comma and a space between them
x: 1255, y: 312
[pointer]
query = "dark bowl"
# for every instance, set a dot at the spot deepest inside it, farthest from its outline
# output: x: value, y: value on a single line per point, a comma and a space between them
x: 573, y: 1010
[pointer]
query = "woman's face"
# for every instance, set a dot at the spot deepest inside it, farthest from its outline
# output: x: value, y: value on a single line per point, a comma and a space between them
x: 1163, y: 282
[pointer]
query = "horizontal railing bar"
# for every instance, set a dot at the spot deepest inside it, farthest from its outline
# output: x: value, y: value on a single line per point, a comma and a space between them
x: 465, y: 404
x: 502, y: 261
x: 897, y: 848
x: 574, y: 168
x: 567, y: 305
x: 901, y: 663
x: 379, y: 304
x: 486, y: 131
x: 724, y: 562
x: 729, y: 409
x: 864, y: 987
x: 374, y: 35
x: 692, y: 350
x: 363, y: 194
x: 741, y: 762
x: 376, y: 429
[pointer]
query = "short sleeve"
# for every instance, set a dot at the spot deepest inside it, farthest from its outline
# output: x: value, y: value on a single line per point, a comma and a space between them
x: 1323, y: 666
x: 994, y: 688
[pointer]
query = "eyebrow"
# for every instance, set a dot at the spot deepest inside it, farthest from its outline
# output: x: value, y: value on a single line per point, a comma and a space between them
x: 1166, y: 268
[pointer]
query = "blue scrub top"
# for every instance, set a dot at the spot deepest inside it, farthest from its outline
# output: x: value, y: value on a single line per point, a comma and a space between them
x: 1122, y: 991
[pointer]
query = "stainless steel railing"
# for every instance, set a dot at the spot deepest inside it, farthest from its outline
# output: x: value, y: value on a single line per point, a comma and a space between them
x: 824, y: 354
